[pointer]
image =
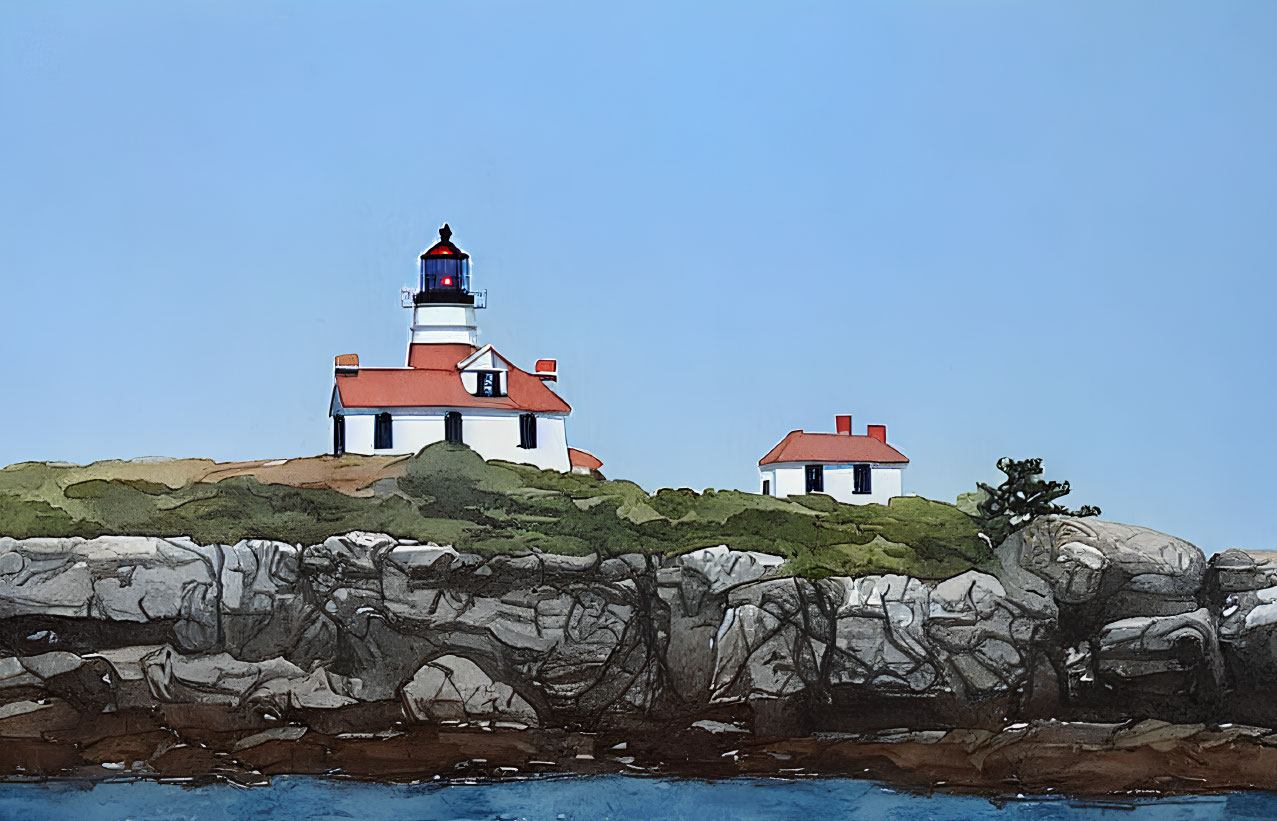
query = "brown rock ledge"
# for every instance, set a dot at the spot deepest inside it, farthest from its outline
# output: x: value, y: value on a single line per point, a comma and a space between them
x: 209, y: 744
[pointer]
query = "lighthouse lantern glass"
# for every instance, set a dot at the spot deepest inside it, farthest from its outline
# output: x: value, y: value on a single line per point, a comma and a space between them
x: 444, y: 274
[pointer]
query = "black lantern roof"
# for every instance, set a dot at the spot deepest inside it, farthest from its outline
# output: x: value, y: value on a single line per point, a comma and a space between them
x: 444, y: 248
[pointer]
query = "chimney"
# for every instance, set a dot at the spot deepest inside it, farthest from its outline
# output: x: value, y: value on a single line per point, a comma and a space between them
x: 548, y: 370
x: 843, y: 425
x: 347, y: 364
x: 878, y: 432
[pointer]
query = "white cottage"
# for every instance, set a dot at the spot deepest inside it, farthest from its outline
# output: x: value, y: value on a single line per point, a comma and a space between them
x: 451, y: 389
x: 856, y: 469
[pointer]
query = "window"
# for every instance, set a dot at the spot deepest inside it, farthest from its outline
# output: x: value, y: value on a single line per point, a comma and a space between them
x: 488, y: 383
x: 528, y: 431
x: 767, y: 487
x: 339, y: 435
x: 443, y: 273
x: 382, y: 436
x: 452, y: 427
x: 815, y: 478
x: 861, y: 481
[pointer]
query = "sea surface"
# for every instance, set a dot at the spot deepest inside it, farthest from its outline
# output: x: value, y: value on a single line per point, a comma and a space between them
x: 572, y: 799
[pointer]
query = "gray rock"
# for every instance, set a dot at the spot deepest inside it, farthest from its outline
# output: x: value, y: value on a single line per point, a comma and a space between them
x: 722, y: 568
x: 571, y: 641
x: 1235, y: 571
x: 452, y: 688
x: 890, y: 634
x: 1113, y: 570
x: 1183, y: 644
x: 212, y: 678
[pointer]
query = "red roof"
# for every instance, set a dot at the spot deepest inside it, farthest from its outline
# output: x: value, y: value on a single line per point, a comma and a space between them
x: 433, y: 381
x: 584, y: 459
x: 835, y: 448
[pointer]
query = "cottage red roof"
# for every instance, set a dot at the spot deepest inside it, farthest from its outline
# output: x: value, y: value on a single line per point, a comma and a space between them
x: 584, y: 459
x: 432, y: 380
x: 835, y: 448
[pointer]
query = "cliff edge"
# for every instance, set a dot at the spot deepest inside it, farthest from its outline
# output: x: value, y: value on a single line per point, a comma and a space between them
x: 1090, y: 656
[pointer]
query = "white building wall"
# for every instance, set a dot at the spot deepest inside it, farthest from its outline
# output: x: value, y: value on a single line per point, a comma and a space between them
x: 444, y: 324
x: 492, y: 434
x: 790, y: 479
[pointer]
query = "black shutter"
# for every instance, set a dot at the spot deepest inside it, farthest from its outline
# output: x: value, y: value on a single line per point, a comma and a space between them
x: 528, y: 431
x: 767, y: 487
x: 452, y: 427
x: 339, y: 435
x: 383, y: 436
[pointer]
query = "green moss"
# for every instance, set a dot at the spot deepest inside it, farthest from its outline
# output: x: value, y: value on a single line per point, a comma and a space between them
x: 27, y: 518
x: 447, y: 494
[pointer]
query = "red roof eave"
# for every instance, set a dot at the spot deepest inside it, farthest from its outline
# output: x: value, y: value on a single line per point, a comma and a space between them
x: 584, y: 459
x: 433, y: 381
x: 832, y: 448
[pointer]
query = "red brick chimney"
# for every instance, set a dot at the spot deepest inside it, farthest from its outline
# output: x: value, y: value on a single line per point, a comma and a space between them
x: 547, y: 370
x: 843, y: 424
x: 878, y: 432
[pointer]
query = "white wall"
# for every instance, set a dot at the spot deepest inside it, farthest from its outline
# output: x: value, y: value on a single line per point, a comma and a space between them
x: 790, y: 479
x: 492, y: 434
x: 444, y: 324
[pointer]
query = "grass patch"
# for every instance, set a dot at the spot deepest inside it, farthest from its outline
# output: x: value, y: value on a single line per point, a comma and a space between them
x: 447, y: 494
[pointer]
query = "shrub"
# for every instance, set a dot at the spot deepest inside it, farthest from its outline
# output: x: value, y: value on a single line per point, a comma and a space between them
x: 1022, y: 497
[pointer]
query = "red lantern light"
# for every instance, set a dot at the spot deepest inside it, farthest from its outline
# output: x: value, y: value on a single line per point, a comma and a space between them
x: 447, y: 280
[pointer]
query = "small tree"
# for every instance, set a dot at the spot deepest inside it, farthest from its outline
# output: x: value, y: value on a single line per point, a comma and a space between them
x: 1023, y: 496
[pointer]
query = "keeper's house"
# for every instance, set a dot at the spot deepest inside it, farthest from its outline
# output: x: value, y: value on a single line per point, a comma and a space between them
x: 856, y: 469
x: 451, y: 388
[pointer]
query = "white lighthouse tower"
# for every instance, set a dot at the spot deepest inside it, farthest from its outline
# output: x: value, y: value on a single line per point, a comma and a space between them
x: 451, y: 389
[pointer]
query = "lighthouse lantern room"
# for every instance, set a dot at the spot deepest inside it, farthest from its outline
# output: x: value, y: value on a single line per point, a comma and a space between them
x: 445, y: 273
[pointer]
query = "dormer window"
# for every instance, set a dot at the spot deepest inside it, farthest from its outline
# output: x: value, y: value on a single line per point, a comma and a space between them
x: 488, y: 383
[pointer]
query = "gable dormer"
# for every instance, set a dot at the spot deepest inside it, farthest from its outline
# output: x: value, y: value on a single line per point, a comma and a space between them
x: 485, y: 373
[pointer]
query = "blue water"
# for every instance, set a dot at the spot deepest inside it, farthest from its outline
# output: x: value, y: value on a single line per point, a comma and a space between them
x: 573, y: 799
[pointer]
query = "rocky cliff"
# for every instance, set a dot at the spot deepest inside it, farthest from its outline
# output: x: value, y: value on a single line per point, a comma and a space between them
x: 387, y: 658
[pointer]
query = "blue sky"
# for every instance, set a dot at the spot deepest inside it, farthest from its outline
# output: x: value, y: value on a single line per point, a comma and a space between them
x: 999, y: 228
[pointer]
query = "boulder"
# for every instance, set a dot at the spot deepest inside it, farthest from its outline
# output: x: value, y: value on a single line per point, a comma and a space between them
x: 880, y: 636
x: 1165, y: 655
x: 1100, y: 572
x: 453, y: 688
x: 211, y: 678
x: 116, y: 579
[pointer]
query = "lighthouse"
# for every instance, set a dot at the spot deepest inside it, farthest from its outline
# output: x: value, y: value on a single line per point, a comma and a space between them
x: 451, y: 388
